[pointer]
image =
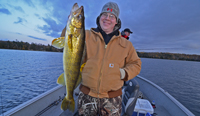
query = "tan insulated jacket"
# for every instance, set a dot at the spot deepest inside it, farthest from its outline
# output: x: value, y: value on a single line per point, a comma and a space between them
x: 101, y: 74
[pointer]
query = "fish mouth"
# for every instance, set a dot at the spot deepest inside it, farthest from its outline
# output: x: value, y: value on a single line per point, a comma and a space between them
x: 76, y: 10
x: 77, y: 17
x: 75, y: 7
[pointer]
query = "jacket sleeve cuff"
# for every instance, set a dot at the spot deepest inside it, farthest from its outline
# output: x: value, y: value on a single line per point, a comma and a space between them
x: 123, y: 73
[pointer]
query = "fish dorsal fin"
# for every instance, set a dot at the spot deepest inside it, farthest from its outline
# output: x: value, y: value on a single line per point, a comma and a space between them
x: 61, y: 80
x: 59, y: 42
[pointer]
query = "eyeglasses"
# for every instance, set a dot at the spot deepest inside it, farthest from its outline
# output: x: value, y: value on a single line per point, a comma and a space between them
x: 111, y: 16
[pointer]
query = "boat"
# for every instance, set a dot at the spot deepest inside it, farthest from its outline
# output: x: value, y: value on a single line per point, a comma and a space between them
x: 135, y: 91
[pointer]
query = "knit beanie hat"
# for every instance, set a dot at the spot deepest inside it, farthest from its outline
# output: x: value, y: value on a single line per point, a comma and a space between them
x: 111, y: 7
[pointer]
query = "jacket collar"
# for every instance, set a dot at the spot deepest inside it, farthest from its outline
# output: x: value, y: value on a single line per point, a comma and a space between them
x: 100, y: 32
x: 122, y: 41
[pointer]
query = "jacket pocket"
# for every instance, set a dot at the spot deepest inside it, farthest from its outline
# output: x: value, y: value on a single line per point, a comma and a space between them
x: 90, y: 73
x: 111, y: 79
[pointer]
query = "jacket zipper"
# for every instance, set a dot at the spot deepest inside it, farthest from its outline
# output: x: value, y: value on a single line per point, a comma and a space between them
x: 100, y: 81
x: 101, y: 70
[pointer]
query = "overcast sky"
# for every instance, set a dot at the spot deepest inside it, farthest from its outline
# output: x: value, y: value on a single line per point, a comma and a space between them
x: 158, y: 25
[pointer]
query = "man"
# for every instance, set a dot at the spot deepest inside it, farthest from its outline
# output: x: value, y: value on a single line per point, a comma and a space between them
x: 126, y: 33
x: 110, y: 60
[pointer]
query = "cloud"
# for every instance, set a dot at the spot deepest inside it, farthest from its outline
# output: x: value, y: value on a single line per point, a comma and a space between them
x: 37, y: 15
x: 59, y: 9
x: 19, y: 33
x: 48, y: 31
x: 52, y: 24
x: 194, y: 45
x: 37, y: 38
x: 5, y: 11
x: 168, y: 26
x: 51, y: 28
x: 29, y: 2
x: 156, y: 25
x: 20, y: 20
x: 19, y: 9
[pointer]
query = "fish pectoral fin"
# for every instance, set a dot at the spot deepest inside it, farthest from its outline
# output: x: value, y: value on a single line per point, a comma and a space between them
x: 78, y: 81
x: 61, y: 80
x: 58, y: 42
x: 70, y: 41
x: 68, y: 104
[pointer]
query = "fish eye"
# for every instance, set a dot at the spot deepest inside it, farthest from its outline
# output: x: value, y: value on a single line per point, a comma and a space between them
x: 79, y: 16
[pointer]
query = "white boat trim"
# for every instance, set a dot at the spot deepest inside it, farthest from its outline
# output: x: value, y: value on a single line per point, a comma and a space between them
x: 34, y: 106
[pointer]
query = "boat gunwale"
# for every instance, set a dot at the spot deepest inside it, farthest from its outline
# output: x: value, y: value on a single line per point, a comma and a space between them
x: 183, y: 108
x: 31, y: 101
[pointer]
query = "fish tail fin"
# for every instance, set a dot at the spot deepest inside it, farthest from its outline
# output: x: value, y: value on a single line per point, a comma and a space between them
x: 68, y: 104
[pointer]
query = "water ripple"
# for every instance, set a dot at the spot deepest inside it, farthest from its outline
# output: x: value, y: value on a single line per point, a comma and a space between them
x: 27, y: 74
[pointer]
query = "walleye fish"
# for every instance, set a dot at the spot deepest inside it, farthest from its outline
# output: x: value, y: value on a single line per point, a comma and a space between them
x: 73, y: 44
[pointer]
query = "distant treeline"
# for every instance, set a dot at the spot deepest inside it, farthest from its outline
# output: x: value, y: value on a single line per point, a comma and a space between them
x: 171, y: 56
x: 20, y: 45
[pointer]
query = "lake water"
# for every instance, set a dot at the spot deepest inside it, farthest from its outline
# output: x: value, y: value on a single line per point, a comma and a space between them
x: 26, y: 74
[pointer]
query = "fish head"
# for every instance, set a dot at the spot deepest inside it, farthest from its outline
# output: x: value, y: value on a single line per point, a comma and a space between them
x: 77, y: 16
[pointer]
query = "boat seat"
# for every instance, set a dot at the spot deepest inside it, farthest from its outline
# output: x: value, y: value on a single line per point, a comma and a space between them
x: 129, y: 98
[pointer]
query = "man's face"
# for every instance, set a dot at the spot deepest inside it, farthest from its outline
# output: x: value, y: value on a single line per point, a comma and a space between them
x: 107, y: 22
x: 127, y: 33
